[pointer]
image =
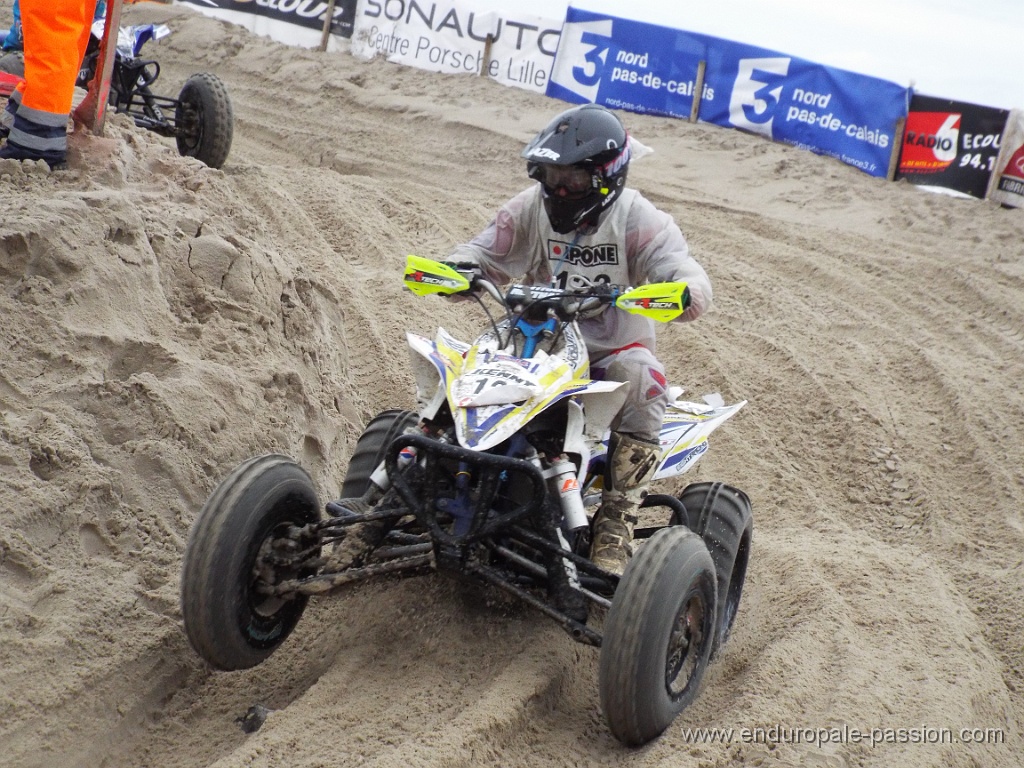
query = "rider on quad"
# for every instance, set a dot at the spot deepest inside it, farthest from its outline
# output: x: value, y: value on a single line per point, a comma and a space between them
x: 581, y: 226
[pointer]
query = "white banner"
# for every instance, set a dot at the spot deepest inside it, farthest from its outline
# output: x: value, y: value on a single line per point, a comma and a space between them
x: 1007, y: 183
x: 451, y: 36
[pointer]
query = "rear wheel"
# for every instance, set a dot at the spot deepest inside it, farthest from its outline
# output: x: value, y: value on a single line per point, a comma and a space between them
x: 204, y: 120
x: 658, y: 635
x: 371, y: 447
x: 721, y: 516
x: 241, y: 541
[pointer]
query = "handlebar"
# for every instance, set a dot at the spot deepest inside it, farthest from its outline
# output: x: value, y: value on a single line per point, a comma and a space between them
x: 658, y: 301
x: 567, y: 303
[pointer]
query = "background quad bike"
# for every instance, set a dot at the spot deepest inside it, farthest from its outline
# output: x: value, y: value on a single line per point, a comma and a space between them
x: 201, y: 119
x: 673, y: 608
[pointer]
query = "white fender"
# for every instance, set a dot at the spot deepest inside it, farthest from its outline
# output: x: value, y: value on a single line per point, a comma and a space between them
x: 430, y: 370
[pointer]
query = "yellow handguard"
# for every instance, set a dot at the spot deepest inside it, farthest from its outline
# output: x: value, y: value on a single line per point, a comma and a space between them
x: 659, y: 301
x: 426, y: 276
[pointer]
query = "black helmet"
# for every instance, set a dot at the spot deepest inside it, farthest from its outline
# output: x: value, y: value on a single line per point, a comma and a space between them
x: 581, y: 159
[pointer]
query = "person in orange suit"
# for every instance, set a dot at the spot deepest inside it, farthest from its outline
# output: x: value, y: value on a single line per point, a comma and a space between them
x: 56, y: 33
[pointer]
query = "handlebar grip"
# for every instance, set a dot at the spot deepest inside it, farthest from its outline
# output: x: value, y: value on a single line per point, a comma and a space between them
x: 463, y: 266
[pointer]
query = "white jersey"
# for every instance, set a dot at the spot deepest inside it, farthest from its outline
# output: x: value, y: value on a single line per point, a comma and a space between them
x: 633, y: 244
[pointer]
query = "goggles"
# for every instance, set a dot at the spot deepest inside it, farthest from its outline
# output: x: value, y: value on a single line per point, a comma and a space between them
x: 571, y: 178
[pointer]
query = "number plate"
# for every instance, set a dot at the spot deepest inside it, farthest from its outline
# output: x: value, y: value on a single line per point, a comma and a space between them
x: 495, y: 382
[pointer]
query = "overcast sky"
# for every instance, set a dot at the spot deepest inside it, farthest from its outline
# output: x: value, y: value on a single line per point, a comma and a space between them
x: 970, y: 50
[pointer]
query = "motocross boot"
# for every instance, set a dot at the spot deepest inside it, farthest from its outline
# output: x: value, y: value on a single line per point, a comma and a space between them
x: 631, y: 465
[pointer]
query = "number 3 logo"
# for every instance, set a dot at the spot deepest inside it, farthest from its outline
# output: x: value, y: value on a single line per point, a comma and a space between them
x: 756, y: 93
x: 595, y: 58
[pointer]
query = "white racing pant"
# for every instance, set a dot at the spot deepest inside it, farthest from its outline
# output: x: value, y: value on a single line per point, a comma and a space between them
x: 642, y: 414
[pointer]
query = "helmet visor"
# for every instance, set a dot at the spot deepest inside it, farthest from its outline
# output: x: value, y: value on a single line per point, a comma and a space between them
x: 566, y: 180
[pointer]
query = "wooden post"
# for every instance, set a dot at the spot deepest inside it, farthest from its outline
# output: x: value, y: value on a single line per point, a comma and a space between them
x: 485, y: 64
x: 698, y: 91
x: 328, y: 19
x: 92, y: 112
x: 897, y: 146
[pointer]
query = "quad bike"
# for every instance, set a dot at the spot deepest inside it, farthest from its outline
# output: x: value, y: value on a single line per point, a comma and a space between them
x: 491, y: 480
x: 201, y: 119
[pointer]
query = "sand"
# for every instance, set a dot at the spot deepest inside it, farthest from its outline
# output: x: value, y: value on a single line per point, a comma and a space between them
x: 163, y: 321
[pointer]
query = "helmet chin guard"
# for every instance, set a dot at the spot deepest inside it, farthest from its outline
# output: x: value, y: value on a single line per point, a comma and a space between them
x: 592, y: 140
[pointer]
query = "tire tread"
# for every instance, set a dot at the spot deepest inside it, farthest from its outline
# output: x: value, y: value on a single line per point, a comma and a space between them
x: 370, y: 448
x: 635, y: 701
x: 725, y: 523
x: 219, y: 538
x: 217, y: 119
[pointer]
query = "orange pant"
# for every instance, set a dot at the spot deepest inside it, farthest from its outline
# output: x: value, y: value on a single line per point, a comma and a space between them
x: 56, y: 33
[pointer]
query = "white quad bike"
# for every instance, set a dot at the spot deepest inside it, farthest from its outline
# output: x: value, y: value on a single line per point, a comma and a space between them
x: 493, y: 479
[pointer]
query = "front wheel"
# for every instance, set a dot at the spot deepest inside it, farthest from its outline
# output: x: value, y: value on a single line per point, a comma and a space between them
x: 239, y: 542
x: 658, y: 635
x: 204, y: 120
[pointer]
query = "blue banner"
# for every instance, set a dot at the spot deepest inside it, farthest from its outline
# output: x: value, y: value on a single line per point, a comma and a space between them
x: 653, y: 70
x: 625, y: 65
x: 829, y: 111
